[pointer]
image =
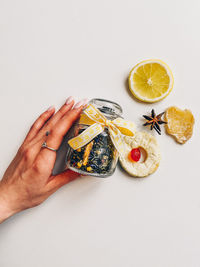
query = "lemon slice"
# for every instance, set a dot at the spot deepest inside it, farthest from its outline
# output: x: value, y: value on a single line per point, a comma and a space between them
x: 151, y: 80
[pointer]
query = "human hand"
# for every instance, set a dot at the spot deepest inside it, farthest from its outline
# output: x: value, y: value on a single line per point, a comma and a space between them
x: 28, y: 181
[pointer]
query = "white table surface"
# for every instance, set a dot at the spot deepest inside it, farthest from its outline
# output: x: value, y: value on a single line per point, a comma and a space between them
x: 52, y: 49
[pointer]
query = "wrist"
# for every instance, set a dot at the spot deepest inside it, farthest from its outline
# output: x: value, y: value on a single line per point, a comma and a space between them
x: 6, y: 210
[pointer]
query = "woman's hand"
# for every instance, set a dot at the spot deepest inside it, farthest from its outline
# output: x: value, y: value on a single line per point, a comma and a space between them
x: 28, y: 181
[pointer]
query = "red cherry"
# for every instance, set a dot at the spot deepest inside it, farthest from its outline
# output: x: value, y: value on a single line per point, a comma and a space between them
x: 135, y: 154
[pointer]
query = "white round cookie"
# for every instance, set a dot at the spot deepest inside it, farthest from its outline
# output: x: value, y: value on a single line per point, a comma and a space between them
x: 153, y: 156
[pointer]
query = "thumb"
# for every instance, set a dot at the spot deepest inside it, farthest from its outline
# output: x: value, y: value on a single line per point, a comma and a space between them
x: 57, y: 181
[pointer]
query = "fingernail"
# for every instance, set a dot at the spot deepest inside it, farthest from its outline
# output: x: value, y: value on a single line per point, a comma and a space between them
x: 79, y: 104
x: 69, y: 100
x: 50, y: 108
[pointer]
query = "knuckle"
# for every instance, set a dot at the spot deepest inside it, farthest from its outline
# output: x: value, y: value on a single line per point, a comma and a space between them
x: 39, y: 121
x: 69, y: 120
x: 40, y: 167
x: 37, y: 167
x: 21, y: 150
x: 35, y: 126
x: 27, y: 153
x: 36, y: 202
x: 46, y: 126
x: 54, y: 133
x: 42, y: 116
x: 61, y: 112
x: 74, y: 115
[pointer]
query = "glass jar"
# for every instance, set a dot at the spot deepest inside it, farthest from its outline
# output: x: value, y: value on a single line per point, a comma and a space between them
x: 99, y: 157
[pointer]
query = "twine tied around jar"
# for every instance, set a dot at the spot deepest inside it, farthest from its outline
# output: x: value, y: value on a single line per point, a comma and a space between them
x: 116, y: 128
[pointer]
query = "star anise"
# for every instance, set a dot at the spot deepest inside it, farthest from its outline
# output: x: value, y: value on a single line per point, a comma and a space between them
x: 154, y: 121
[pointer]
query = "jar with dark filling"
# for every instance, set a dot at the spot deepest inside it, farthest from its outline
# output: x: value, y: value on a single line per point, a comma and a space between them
x: 99, y: 157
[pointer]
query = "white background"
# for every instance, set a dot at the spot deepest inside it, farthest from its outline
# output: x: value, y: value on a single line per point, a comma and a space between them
x: 52, y: 49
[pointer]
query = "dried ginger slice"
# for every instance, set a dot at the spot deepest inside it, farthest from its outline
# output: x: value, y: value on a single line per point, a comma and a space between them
x: 179, y: 123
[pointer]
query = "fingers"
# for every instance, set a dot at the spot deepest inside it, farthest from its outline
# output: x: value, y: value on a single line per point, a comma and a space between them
x: 61, y: 112
x: 61, y: 179
x: 58, y: 132
x: 39, y: 123
x: 58, y: 115
x: 62, y: 127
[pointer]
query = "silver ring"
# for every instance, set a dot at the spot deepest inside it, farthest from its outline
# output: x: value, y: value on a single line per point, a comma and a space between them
x: 44, y: 145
